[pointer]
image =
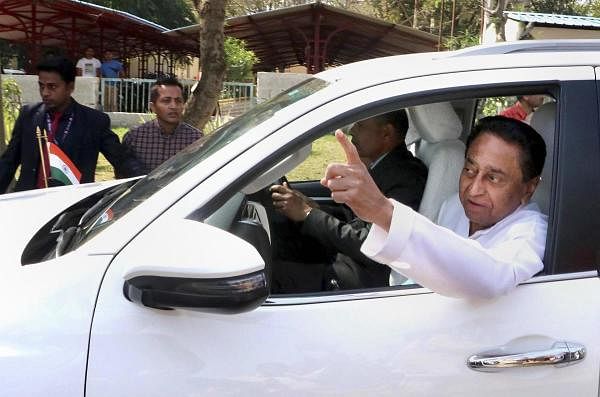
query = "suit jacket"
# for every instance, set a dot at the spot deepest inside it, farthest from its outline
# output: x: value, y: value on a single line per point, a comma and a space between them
x: 88, y: 135
x: 400, y: 176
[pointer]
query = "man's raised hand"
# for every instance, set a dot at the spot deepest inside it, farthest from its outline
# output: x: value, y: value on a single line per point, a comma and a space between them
x: 351, y: 184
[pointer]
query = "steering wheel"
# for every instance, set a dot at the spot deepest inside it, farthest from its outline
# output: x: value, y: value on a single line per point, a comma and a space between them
x: 279, y: 225
x: 283, y: 180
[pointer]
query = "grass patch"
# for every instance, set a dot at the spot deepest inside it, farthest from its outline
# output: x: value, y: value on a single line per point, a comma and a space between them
x: 105, y: 171
x: 325, y: 150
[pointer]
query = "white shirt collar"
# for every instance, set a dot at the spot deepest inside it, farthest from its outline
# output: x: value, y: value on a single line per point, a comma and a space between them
x: 374, y: 163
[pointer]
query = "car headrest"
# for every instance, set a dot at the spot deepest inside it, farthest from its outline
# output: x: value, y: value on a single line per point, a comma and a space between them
x: 433, y: 122
x: 543, y: 121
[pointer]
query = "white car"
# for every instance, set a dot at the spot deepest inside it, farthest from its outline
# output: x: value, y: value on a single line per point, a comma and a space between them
x: 160, y: 286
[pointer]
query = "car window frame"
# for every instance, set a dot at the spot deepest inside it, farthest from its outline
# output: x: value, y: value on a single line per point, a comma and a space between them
x: 577, y: 159
x: 552, y: 86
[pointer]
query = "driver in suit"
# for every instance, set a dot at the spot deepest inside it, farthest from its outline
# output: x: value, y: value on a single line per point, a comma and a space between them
x: 380, y: 142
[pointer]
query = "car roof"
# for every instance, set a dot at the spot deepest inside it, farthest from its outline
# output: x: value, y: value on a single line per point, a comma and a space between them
x: 532, y: 53
x: 530, y: 46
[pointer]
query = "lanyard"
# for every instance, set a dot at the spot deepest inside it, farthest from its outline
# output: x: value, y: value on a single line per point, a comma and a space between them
x: 51, y: 131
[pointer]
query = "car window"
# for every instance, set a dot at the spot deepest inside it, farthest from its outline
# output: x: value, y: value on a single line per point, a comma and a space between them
x: 324, y: 151
x: 288, y: 241
x: 491, y: 106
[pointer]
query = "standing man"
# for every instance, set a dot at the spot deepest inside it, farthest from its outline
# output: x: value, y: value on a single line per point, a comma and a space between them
x: 157, y: 140
x: 112, y: 69
x: 78, y: 131
x: 88, y: 66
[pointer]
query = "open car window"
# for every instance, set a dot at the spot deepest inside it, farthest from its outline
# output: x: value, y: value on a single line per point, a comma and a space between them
x: 255, y: 205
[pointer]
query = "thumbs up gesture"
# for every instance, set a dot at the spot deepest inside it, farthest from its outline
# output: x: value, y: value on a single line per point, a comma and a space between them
x: 351, y: 184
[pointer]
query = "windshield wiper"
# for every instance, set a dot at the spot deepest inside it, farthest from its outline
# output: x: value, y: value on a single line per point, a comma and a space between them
x: 64, y: 231
x: 65, y: 219
x: 72, y: 236
x: 64, y: 240
x: 96, y: 208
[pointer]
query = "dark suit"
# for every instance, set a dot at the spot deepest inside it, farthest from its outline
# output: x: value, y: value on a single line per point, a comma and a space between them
x: 88, y: 134
x: 400, y: 176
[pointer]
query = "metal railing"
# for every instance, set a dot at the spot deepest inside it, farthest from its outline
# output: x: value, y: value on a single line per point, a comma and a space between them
x: 133, y: 95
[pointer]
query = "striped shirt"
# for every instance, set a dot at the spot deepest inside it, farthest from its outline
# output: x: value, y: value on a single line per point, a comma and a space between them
x: 152, y: 146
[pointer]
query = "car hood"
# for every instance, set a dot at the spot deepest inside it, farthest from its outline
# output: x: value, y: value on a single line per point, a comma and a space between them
x: 23, y: 214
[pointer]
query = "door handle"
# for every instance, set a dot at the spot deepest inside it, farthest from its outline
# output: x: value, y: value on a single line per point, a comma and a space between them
x: 561, y: 354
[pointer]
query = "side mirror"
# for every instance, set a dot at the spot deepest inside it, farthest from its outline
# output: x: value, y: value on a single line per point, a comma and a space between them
x: 191, y: 265
x: 221, y: 295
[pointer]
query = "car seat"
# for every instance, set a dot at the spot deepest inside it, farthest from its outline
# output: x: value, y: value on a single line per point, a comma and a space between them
x: 544, y: 122
x: 438, y: 128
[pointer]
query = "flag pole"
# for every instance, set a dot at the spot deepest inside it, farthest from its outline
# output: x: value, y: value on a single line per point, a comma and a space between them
x: 39, y: 136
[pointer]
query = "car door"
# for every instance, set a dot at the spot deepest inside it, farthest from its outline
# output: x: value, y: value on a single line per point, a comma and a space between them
x: 391, y: 341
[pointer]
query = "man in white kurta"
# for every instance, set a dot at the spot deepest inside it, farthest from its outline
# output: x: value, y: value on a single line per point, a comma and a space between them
x: 490, y: 262
x: 489, y: 237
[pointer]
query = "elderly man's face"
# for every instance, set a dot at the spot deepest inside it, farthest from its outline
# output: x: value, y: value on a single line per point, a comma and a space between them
x: 491, y: 182
x: 367, y: 136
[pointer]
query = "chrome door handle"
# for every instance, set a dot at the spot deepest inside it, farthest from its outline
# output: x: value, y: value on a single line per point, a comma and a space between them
x: 564, y: 353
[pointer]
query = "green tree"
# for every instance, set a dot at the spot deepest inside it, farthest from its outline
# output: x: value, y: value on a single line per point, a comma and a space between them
x: 10, y: 104
x: 168, y: 13
x: 459, y: 19
x: 12, y: 55
x: 568, y: 7
x: 239, y: 60
x: 494, y: 10
x: 588, y: 7
x: 461, y: 40
x: 243, y: 7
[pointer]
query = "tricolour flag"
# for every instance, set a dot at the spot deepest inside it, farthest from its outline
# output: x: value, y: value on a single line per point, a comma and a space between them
x: 61, y: 167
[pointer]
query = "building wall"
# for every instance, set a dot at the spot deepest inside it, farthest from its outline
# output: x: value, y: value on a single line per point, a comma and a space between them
x: 514, y: 30
x: 269, y: 84
x: 86, y: 92
x: 489, y: 35
x: 86, y: 89
x: 543, y: 33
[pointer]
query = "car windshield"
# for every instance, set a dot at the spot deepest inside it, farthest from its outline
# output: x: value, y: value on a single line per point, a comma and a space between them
x: 194, y: 154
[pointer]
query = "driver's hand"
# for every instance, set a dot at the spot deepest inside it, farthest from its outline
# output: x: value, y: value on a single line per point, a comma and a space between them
x: 290, y: 202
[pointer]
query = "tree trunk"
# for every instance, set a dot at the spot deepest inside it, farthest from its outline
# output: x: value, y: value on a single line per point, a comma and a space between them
x: 494, y: 16
x: 202, y: 103
x: 501, y: 21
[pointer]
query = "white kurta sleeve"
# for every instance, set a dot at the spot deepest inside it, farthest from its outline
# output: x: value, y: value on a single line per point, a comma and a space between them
x: 441, y: 260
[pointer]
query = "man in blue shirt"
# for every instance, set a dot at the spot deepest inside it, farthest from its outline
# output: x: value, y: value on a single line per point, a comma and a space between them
x: 111, y: 68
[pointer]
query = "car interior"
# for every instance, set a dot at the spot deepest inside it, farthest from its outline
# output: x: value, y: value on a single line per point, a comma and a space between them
x: 437, y: 134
